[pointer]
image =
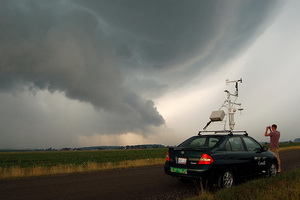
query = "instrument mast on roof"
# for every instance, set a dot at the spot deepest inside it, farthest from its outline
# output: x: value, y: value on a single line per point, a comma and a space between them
x: 229, y: 106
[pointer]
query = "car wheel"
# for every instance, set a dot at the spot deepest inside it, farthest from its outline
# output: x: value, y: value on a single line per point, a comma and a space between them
x: 272, y: 170
x: 226, y: 179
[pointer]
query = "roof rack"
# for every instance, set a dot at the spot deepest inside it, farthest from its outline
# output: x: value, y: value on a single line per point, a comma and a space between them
x: 230, y: 132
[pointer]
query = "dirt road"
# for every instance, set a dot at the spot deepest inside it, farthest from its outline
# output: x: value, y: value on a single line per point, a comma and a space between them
x: 135, y: 183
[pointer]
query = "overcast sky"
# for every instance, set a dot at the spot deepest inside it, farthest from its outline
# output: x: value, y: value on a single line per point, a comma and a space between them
x: 125, y: 72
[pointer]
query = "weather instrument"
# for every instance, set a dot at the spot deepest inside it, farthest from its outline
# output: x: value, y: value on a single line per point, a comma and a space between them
x: 228, y: 108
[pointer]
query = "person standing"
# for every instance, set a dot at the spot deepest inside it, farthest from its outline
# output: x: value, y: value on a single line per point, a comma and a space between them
x: 274, y: 141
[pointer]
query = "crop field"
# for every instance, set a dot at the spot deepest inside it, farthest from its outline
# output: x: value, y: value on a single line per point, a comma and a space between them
x: 20, y: 164
x: 23, y: 164
x: 53, y: 158
x: 287, y: 146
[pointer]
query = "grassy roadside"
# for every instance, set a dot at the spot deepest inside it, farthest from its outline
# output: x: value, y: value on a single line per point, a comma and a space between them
x: 285, y: 186
x: 18, y: 172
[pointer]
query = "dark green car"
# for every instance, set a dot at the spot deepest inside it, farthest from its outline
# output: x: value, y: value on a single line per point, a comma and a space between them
x: 220, y: 159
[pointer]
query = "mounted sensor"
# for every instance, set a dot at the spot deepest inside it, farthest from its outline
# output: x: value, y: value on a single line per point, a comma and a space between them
x: 217, y: 116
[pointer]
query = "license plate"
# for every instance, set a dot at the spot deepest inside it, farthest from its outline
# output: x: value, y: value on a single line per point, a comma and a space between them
x: 182, y: 161
x: 178, y: 170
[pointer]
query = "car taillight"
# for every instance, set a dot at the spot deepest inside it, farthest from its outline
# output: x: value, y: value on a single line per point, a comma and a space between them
x: 168, y: 156
x: 205, y: 159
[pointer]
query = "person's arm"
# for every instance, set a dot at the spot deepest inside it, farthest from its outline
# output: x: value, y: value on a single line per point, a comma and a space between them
x: 266, y: 133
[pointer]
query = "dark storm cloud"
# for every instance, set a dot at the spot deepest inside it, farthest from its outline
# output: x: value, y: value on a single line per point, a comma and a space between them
x: 58, y: 46
x: 166, y: 34
x: 165, y: 44
x: 117, y: 54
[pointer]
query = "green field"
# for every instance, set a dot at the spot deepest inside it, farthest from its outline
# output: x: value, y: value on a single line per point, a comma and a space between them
x: 53, y: 158
x: 24, y: 164
x: 287, y: 144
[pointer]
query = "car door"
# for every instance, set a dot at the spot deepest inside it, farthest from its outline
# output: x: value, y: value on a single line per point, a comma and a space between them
x: 258, y: 160
x: 238, y: 156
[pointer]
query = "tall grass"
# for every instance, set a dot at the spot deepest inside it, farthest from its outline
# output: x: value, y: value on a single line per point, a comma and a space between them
x: 17, y: 172
x: 285, y: 186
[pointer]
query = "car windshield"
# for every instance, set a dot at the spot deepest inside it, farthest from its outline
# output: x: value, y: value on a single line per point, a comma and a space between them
x: 200, y: 142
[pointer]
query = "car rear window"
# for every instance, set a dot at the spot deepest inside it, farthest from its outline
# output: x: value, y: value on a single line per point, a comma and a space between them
x: 200, y: 142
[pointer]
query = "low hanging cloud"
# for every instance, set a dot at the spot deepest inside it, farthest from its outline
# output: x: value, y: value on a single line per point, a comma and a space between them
x: 47, y: 49
x: 120, y: 55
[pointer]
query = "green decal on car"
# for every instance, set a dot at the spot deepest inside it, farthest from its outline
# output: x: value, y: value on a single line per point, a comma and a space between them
x: 178, y: 170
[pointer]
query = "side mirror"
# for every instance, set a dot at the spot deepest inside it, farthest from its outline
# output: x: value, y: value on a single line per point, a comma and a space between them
x: 259, y: 150
x: 265, y: 148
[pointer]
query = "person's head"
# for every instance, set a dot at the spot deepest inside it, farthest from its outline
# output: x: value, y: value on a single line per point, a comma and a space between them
x: 274, y: 126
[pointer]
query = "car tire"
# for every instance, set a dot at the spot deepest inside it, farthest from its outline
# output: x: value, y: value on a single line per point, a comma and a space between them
x: 226, y: 179
x: 272, y: 170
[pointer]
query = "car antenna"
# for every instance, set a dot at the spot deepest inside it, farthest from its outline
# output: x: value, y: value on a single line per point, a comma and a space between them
x: 229, y: 106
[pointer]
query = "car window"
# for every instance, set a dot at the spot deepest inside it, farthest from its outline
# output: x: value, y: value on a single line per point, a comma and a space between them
x: 212, y: 142
x: 234, y: 144
x: 228, y: 146
x: 197, y: 143
x: 251, y: 144
x: 200, y: 142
